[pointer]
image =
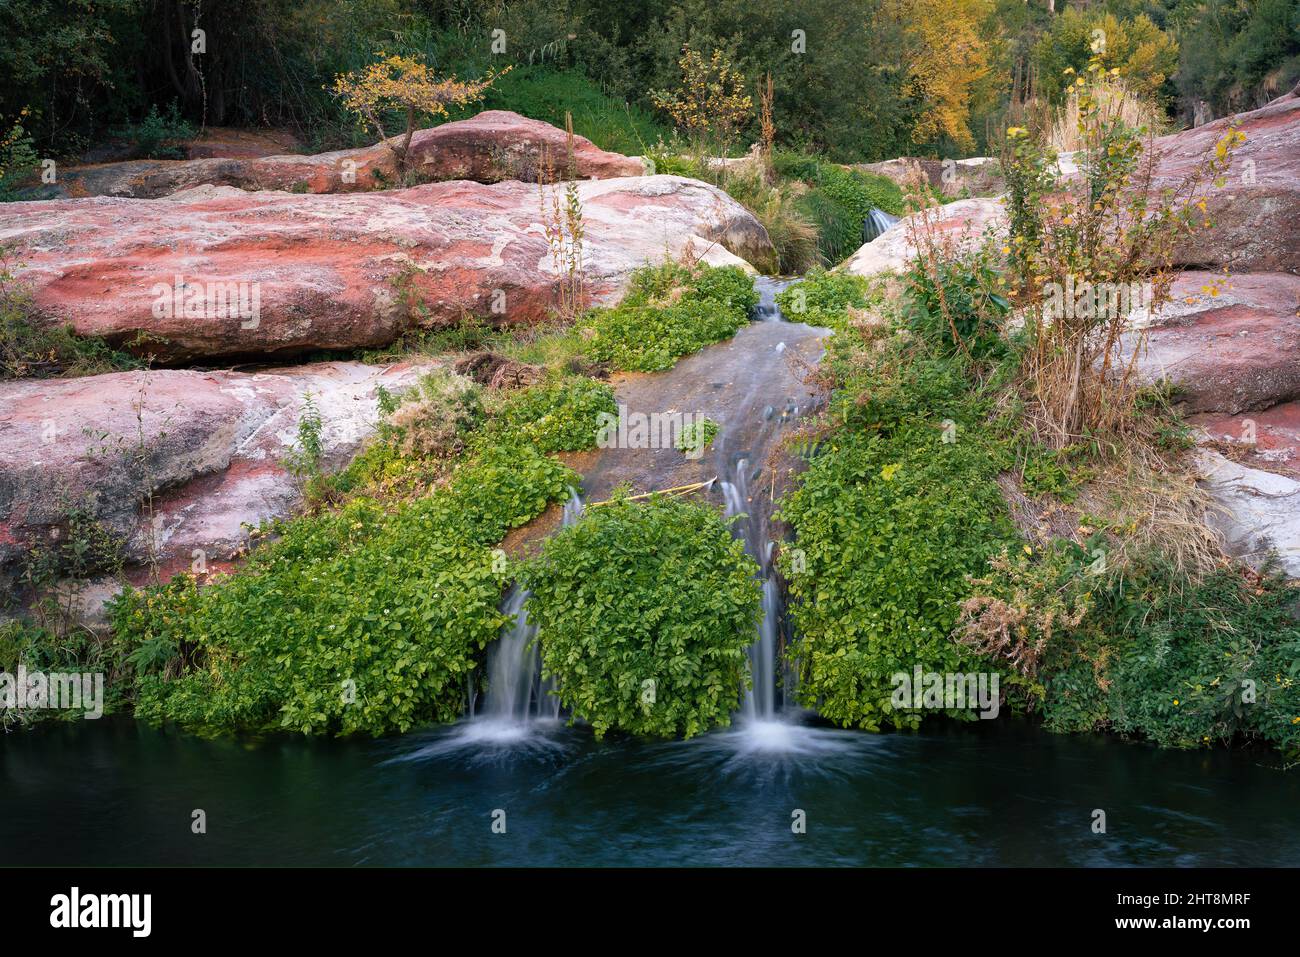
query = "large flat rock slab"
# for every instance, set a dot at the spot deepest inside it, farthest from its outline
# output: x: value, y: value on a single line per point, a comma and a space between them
x: 219, y: 272
x: 1256, y: 212
x: 1230, y: 352
x: 491, y: 146
x: 1257, y: 511
x: 964, y: 223
x: 208, y: 446
x: 1267, y: 440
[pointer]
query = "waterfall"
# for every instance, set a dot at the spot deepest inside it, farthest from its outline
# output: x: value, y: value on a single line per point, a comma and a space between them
x: 767, y: 288
x: 760, y: 700
x: 513, y: 665
x: 877, y: 222
x: 516, y: 693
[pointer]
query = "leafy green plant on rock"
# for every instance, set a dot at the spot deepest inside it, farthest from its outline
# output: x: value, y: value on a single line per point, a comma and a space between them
x: 887, y: 547
x: 358, y: 620
x: 644, y: 612
x: 670, y: 310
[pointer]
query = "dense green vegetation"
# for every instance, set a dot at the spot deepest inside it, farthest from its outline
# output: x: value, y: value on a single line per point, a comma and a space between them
x: 868, y: 80
x: 907, y: 553
x: 886, y: 544
x: 644, y: 611
x: 371, y: 613
x: 670, y: 311
x: 362, y: 619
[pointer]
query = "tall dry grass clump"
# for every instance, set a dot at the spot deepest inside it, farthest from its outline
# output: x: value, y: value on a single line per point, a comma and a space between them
x: 1086, y: 248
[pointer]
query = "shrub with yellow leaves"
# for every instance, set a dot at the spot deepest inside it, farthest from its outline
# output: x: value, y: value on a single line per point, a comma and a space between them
x: 405, y: 85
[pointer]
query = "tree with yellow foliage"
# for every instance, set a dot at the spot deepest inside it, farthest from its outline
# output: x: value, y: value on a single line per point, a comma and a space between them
x: 711, y: 102
x: 402, y: 83
x: 945, y: 57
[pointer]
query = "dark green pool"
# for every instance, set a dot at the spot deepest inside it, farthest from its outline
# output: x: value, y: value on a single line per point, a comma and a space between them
x: 116, y: 792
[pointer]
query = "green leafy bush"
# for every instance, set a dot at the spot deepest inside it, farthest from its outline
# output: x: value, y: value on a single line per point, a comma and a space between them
x: 887, y: 543
x: 670, y: 311
x: 644, y: 612
x: 359, y: 620
x: 158, y: 135
x: 1186, y: 664
x: 562, y: 415
x: 18, y: 159
x: 824, y: 298
x: 954, y: 304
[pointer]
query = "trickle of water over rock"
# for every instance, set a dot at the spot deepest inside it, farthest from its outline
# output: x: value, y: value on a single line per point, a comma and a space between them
x: 760, y: 699
x: 877, y: 222
x: 517, y: 694
x: 767, y: 288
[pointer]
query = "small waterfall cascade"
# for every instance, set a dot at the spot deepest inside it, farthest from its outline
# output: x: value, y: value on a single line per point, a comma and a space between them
x: 517, y: 694
x: 513, y: 667
x: 877, y: 222
x: 760, y: 700
x: 768, y: 288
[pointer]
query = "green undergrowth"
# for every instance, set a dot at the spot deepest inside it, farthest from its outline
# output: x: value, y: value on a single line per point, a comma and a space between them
x: 547, y: 94
x: 369, y: 616
x: 829, y: 299
x: 837, y: 200
x: 898, y: 506
x: 644, y: 612
x: 362, y: 619
x: 668, y: 312
x: 813, y: 210
x: 904, y: 552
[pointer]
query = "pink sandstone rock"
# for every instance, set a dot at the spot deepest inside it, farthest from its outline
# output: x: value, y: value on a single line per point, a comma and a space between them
x: 1268, y: 440
x: 218, y: 272
x: 209, y: 446
x: 1232, y: 352
x: 1256, y: 213
x: 492, y: 146
x: 965, y: 223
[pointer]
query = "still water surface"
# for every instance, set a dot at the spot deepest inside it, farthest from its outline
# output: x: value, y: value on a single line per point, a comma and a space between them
x: 1003, y: 793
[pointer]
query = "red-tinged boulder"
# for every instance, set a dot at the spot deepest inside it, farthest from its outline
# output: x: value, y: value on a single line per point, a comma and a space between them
x: 1255, y: 214
x: 1267, y: 440
x: 494, y: 145
x: 1228, y: 345
x: 207, y: 446
x: 218, y: 272
x: 963, y: 224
